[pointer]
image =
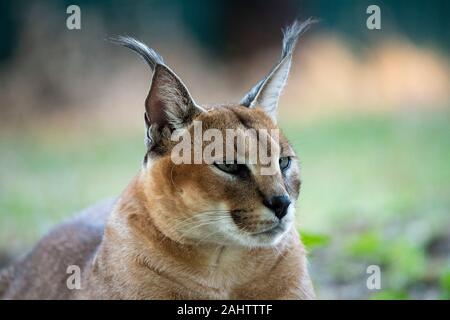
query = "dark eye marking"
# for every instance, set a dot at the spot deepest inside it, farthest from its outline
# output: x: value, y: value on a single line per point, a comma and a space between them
x: 233, y: 168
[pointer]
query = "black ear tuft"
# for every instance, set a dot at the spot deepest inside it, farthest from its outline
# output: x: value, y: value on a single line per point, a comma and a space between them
x: 148, y: 54
x: 267, y: 91
x: 169, y: 105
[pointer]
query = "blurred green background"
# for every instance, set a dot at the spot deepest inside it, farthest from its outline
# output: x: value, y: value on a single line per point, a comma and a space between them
x: 367, y: 111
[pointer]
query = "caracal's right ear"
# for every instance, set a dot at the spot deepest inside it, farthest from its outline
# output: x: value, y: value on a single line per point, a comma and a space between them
x: 169, y: 105
x: 266, y: 93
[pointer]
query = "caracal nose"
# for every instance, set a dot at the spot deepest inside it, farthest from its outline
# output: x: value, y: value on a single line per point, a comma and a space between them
x: 278, y: 204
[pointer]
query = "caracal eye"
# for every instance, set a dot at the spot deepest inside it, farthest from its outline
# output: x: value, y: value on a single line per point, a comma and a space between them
x: 233, y: 168
x: 285, y: 163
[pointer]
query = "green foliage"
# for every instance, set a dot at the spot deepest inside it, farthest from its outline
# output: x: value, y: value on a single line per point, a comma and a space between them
x: 368, y: 244
x: 405, y: 261
x: 313, y: 240
x: 445, y: 284
x: 390, y: 295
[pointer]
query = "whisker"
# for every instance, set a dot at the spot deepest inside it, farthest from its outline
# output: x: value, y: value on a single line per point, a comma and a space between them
x: 205, y: 223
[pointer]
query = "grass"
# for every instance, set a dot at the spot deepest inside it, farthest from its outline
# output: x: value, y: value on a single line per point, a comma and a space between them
x: 376, y: 190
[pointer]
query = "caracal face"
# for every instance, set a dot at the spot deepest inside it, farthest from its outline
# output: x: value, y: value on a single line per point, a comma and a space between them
x: 240, y: 191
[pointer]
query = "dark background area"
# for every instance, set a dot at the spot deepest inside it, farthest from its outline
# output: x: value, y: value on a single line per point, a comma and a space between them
x: 225, y: 27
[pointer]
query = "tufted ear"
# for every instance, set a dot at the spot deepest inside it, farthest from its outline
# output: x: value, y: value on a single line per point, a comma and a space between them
x: 169, y: 105
x: 266, y: 93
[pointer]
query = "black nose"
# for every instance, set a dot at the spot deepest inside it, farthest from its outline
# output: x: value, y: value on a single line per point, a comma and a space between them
x: 279, y: 205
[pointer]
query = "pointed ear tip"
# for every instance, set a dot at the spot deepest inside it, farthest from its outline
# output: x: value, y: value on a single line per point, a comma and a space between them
x: 305, y: 23
x: 296, y: 28
x: 291, y: 34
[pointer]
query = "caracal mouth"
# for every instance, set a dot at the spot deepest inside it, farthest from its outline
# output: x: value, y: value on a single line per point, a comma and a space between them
x: 272, y: 231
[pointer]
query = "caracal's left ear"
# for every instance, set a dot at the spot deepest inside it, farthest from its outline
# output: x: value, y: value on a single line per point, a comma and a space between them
x: 169, y: 105
x: 266, y: 93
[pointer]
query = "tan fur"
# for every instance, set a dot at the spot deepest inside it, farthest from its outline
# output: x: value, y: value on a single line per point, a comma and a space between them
x: 142, y: 254
x: 184, y: 231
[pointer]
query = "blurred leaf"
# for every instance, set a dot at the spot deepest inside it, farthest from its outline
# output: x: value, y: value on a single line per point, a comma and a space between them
x: 390, y: 295
x: 366, y: 245
x: 314, y: 240
x: 445, y: 284
x: 406, y: 262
